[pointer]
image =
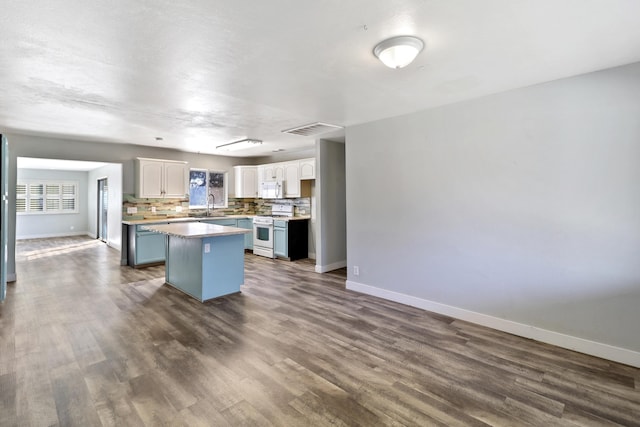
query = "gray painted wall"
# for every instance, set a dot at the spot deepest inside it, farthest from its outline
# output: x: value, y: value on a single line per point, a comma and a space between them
x: 113, y: 173
x: 49, y: 225
x: 523, y: 205
x: 331, y: 223
x: 283, y: 156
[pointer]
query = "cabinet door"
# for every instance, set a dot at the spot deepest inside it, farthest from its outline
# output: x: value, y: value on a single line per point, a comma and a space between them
x: 280, y: 241
x: 246, y: 181
x: 291, y: 179
x: 273, y: 172
x: 175, y: 180
x: 308, y: 169
x: 278, y: 171
x: 149, y: 248
x: 261, y: 174
x: 268, y: 173
x: 150, y: 179
x: 248, y: 238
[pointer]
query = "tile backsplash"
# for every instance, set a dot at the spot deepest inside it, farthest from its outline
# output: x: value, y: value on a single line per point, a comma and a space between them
x: 302, y: 206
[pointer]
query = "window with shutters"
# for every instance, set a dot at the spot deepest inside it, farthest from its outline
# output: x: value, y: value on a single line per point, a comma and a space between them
x: 46, y: 197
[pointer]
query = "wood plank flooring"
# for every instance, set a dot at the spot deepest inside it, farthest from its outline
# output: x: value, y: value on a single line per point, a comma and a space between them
x: 86, y: 342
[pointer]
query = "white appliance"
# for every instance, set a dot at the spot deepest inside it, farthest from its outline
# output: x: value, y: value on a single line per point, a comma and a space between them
x: 263, y: 230
x: 263, y: 236
x: 271, y: 190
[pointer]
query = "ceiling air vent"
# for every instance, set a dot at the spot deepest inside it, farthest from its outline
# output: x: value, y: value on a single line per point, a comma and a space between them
x: 312, y: 129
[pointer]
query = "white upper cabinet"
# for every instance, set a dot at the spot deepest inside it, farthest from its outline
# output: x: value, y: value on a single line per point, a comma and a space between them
x: 294, y: 175
x: 149, y: 184
x: 246, y: 181
x: 308, y: 169
x: 272, y: 172
x: 157, y: 179
x: 176, y: 179
x: 291, y: 179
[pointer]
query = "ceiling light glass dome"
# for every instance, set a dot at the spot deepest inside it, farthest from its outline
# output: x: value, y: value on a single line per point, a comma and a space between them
x: 398, y: 52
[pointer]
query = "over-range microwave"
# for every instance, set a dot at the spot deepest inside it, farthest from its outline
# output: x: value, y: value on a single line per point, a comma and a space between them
x: 272, y: 190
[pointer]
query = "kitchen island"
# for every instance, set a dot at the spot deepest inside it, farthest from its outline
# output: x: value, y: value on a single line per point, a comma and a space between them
x: 203, y: 260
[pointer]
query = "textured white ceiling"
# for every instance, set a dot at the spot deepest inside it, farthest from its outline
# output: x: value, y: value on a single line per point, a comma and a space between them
x: 201, y: 73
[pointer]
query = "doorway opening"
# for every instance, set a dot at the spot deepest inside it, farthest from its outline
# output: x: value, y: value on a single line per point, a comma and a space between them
x: 103, y: 209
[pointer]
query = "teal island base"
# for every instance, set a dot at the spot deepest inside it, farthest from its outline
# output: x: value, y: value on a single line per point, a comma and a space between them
x: 203, y: 260
x: 205, y: 268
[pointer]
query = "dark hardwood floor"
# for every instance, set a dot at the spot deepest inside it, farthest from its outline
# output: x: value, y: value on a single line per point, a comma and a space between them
x: 86, y: 342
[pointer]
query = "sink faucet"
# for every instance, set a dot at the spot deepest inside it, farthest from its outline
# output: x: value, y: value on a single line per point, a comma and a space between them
x: 211, y: 201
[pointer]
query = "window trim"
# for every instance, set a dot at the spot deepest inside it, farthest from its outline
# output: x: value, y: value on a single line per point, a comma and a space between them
x: 225, y: 187
x: 216, y: 205
x: 61, y: 197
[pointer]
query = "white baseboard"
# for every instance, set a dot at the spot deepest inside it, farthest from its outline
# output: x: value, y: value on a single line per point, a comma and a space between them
x: 114, y: 246
x: 593, y: 348
x: 46, y: 236
x: 330, y: 267
x: 311, y: 255
x: 108, y: 242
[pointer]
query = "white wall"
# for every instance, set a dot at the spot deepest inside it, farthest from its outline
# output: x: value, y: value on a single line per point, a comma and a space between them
x: 31, y: 226
x: 519, y: 210
x: 331, y: 222
x: 113, y: 173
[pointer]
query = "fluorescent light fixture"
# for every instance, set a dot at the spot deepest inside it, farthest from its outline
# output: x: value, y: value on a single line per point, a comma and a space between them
x: 398, y: 52
x: 243, y: 144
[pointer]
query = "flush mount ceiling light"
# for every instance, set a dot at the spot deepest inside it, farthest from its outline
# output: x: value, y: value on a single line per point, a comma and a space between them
x: 239, y: 145
x: 398, y: 52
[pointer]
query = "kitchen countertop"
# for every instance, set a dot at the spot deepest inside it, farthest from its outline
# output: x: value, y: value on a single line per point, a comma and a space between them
x: 187, y: 219
x: 196, y: 230
x: 169, y: 219
x: 291, y: 218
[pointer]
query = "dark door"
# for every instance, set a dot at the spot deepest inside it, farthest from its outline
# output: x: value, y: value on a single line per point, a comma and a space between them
x: 103, y: 208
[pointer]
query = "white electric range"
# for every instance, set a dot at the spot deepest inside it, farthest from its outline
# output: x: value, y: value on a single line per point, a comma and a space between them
x: 263, y: 229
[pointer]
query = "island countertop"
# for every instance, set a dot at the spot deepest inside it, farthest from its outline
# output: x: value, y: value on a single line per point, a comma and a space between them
x: 164, y: 219
x: 195, y: 230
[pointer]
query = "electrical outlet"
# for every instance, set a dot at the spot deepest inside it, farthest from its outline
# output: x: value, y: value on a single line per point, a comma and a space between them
x: 178, y: 208
x: 153, y: 209
x: 356, y: 270
x: 207, y: 248
x: 132, y: 210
